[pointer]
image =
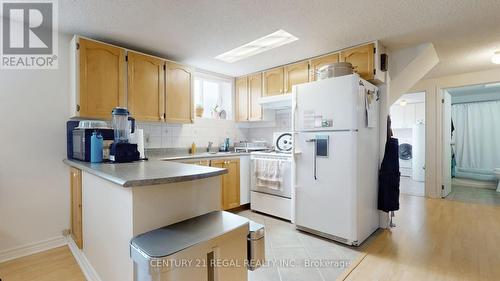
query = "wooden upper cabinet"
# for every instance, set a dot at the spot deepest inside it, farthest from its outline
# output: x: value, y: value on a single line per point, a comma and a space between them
x: 295, y: 74
x: 317, y: 63
x: 146, y: 87
x: 241, y: 86
x: 101, y: 79
x: 230, y: 183
x: 76, y: 206
x: 255, y: 93
x: 362, y: 60
x: 273, y: 82
x: 179, y: 94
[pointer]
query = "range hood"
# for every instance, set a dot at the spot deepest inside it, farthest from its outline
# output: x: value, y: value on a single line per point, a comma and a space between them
x: 276, y: 102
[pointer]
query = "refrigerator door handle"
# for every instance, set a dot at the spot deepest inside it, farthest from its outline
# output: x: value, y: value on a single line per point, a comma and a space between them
x: 315, y: 157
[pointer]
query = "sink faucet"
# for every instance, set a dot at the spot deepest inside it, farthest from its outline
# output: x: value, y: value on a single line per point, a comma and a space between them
x: 209, y: 147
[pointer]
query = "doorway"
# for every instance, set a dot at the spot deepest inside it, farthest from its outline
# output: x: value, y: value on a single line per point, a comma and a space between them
x: 471, y: 144
x: 408, y: 126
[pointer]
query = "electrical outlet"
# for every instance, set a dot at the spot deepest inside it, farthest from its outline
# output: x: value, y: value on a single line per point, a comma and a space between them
x: 66, y: 232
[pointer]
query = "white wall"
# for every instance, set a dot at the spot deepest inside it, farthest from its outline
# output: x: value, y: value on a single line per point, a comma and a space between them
x: 410, y: 66
x: 34, y: 183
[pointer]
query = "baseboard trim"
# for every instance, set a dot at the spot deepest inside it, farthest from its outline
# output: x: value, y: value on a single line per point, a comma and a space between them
x: 240, y: 208
x: 33, y: 248
x: 87, y: 269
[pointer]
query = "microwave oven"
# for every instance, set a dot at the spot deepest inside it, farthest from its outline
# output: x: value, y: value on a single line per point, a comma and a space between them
x: 78, y: 141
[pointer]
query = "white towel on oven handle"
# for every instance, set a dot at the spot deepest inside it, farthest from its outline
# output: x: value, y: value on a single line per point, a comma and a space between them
x: 269, y: 173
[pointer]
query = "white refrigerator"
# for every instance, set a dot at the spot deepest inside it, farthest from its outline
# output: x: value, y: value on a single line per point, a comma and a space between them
x: 336, y: 158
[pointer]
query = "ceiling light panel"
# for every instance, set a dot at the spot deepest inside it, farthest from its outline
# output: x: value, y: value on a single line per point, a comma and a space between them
x: 266, y: 43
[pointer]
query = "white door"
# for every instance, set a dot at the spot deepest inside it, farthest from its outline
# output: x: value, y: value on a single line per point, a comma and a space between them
x: 446, y: 144
x: 326, y: 186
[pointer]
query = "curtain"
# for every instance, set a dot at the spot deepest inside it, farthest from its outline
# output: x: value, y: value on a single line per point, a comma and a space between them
x: 477, y: 139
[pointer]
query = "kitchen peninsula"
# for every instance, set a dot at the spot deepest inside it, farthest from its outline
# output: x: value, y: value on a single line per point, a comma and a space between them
x: 112, y: 203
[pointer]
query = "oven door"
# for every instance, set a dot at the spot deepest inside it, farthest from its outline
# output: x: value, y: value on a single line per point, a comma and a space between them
x: 285, y: 188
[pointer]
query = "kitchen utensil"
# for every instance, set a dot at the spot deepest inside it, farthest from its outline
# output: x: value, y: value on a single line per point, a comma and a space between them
x: 121, y: 149
x: 334, y: 70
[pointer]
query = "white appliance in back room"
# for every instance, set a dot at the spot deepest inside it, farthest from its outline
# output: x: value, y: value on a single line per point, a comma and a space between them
x: 271, y: 178
x: 336, y: 158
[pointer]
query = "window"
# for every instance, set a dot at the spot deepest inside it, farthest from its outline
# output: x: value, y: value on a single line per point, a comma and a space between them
x: 213, y: 97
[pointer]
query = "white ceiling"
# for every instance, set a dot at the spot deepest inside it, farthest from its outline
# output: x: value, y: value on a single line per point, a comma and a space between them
x: 465, y: 32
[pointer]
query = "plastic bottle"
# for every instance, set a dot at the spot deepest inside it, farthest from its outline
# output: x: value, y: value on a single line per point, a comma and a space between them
x: 226, y: 145
x: 96, y: 143
x: 193, y: 148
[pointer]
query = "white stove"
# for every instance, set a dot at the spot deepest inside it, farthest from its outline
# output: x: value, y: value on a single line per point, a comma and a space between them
x: 271, y: 178
x: 272, y: 153
x: 250, y: 146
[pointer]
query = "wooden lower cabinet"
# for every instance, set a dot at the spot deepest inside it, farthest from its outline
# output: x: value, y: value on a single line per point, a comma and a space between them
x: 230, y: 183
x: 76, y: 206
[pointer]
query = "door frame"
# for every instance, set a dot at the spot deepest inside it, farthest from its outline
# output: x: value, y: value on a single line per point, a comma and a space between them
x: 433, y: 115
x: 440, y: 87
x: 444, y: 184
x: 427, y: 105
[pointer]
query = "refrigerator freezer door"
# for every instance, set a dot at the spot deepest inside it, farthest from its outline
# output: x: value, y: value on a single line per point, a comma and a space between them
x: 326, y: 202
x: 327, y: 105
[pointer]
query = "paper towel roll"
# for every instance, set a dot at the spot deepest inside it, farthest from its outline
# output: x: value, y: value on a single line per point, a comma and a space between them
x: 138, y: 138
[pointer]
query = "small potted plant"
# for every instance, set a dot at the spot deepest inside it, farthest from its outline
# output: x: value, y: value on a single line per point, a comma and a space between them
x: 199, y: 110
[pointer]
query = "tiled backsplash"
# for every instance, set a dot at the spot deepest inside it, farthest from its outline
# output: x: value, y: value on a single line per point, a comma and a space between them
x: 283, y: 123
x: 161, y: 135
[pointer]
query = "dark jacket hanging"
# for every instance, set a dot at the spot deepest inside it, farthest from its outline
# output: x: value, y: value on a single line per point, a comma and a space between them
x: 389, y: 175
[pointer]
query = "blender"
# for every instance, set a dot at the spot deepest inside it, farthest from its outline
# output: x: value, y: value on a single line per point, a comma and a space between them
x: 121, y: 150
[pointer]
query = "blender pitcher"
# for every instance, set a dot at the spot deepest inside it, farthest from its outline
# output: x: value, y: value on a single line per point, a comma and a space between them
x: 121, y: 125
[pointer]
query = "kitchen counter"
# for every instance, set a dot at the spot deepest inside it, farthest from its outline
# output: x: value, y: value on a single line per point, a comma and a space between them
x: 202, y: 155
x: 146, y: 173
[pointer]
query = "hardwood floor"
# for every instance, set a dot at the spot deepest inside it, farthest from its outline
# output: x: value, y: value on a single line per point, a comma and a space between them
x: 435, y: 240
x: 53, y: 265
